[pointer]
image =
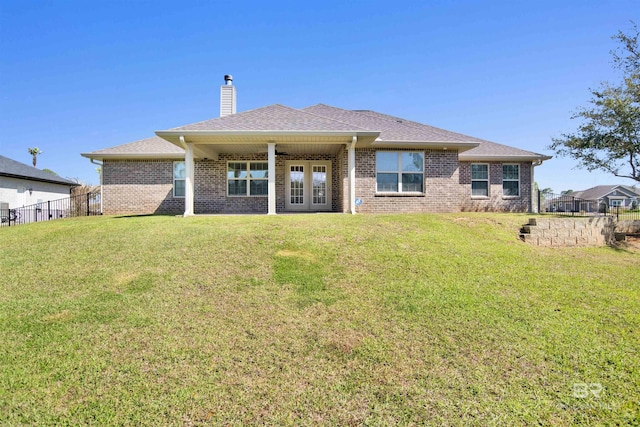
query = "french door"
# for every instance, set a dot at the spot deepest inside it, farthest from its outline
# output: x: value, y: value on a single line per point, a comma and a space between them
x: 308, y: 185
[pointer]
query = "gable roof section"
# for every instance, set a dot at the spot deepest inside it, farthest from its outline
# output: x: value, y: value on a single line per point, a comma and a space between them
x: 391, y: 128
x: 488, y: 150
x: 399, y: 129
x: 274, y: 123
x: 272, y: 118
x: 632, y: 190
x: 15, y: 169
x: 144, y: 148
x: 600, y: 191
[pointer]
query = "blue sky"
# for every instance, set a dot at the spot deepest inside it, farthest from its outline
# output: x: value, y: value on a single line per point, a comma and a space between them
x: 77, y: 76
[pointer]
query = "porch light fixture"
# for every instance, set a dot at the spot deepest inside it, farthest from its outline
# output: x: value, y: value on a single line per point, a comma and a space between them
x: 30, y: 191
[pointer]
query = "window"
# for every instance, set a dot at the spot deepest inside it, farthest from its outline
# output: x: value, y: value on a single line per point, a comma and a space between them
x: 179, y: 175
x: 615, y: 203
x: 511, y: 180
x: 399, y: 172
x: 247, y: 178
x: 479, y: 180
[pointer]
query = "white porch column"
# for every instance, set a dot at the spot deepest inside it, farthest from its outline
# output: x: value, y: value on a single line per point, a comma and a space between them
x: 271, y: 155
x: 351, y: 165
x: 189, y: 179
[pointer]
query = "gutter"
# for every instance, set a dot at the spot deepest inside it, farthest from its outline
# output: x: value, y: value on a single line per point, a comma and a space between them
x: 31, y: 178
x: 511, y: 158
x: 133, y: 156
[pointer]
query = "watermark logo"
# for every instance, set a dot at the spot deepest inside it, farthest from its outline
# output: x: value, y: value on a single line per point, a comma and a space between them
x: 585, y: 390
x: 588, y: 392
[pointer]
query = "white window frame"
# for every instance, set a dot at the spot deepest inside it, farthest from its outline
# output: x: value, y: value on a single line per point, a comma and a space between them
x: 248, y: 179
x: 173, y: 173
x: 400, y: 172
x: 613, y: 205
x: 481, y: 180
x: 511, y: 180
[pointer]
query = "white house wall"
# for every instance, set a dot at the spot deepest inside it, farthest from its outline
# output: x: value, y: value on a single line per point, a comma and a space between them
x: 15, y: 191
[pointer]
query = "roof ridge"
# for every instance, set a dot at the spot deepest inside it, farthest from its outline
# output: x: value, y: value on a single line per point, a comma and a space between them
x: 445, y: 131
x: 389, y: 118
x: 332, y: 119
x: 277, y: 105
x: 229, y: 115
x: 441, y: 130
x: 417, y: 124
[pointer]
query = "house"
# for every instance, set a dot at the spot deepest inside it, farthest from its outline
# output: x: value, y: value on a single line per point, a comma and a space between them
x: 23, y: 185
x: 321, y: 158
x: 600, y: 197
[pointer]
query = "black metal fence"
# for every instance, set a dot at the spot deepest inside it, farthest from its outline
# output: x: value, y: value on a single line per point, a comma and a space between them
x: 567, y: 205
x: 79, y: 205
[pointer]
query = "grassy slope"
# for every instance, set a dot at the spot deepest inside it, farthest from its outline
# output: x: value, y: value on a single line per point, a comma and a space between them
x: 312, y: 319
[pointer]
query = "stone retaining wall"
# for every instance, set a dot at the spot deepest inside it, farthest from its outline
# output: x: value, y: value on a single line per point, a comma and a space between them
x: 628, y: 226
x: 553, y: 232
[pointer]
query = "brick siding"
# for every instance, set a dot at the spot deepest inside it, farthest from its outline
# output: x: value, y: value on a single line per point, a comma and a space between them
x: 211, y: 184
x: 146, y: 186
x: 139, y: 187
x: 441, y: 188
x: 496, y: 202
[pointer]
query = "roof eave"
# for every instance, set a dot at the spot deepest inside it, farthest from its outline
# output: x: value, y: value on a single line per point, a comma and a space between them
x: 439, y: 145
x: 133, y: 156
x: 176, y: 137
x: 31, y: 178
x: 504, y: 158
x: 174, y: 133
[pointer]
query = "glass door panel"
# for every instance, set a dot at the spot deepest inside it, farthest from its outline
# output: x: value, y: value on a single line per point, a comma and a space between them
x: 296, y: 185
x: 308, y: 185
x: 319, y: 183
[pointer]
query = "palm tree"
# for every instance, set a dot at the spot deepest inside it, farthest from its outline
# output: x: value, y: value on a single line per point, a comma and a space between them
x: 35, y: 152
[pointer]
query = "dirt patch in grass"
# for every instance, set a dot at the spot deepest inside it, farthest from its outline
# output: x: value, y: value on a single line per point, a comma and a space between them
x: 632, y: 242
x: 62, y: 316
x: 296, y: 254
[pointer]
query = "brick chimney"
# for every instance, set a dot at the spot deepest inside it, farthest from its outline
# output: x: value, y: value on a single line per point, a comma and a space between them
x: 227, y: 97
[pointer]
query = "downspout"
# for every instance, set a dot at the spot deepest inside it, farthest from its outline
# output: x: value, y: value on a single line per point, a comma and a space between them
x: 101, y: 173
x: 533, y: 188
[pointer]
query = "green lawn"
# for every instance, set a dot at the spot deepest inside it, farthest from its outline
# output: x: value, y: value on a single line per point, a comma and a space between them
x: 313, y: 320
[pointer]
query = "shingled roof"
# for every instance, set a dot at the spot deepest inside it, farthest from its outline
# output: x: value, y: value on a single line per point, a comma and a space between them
x: 272, y: 118
x: 391, y: 128
x: 398, y: 129
x: 323, y: 118
x: 14, y: 169
x: 149, y: 147
x: 600, y: 191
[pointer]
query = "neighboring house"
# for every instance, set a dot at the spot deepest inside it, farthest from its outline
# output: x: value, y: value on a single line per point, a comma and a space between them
x: 23, y: 185
x: 596, y: 198
x: 320, y: 158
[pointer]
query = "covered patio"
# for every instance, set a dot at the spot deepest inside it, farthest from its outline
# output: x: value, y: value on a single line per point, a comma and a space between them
x: 301, y: 172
